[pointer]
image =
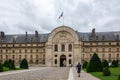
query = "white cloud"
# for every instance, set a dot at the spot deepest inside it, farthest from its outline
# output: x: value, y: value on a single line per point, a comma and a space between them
x: 18, y: 16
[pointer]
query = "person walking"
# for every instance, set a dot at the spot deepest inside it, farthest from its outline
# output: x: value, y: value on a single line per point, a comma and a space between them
x: 78, y: 67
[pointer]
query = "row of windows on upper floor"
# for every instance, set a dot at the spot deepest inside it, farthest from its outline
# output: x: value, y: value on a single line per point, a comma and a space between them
x: 14, y: 51
x: 20, y: 56
x: 110, y: 56
x: 63, y: 47
x: 103, y: 43
x: 102, y: 49
x: 13, y: 57
x: 21, y: 45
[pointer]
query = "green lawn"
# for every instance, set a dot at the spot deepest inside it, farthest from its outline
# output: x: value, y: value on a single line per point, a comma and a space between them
x: 114, y: 73
x: 7, y: 69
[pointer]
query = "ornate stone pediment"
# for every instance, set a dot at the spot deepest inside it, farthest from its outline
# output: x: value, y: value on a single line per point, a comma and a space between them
x: 63, y: 34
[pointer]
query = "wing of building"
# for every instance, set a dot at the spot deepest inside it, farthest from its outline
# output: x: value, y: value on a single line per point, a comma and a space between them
x: 62, y: 47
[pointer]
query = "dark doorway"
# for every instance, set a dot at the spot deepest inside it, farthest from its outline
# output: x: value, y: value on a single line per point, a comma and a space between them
x: 62, y: 60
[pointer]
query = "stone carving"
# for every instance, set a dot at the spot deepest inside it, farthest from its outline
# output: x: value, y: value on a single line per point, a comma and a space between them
x: 63, y: 34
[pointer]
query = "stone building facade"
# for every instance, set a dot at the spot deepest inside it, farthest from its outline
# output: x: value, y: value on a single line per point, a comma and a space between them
x: 62, y: 47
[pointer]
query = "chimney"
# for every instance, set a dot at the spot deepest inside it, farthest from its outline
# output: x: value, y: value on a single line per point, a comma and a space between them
x: 2, y: 34
x: 26, y: 34
x: 36, y: 34
x: 93, y: 32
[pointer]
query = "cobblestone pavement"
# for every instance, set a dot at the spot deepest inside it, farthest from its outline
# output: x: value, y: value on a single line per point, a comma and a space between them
x: 46, y: 73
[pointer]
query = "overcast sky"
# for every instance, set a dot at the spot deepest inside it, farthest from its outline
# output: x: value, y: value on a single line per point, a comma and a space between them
x: 19, y: 16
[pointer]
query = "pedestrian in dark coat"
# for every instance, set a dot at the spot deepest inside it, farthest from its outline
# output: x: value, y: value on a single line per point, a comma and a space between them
x: 78, y: 67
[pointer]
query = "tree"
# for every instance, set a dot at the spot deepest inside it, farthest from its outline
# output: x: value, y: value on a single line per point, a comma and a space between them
x: 94, y: 64
x: 85, y: 63
x: 1, y: 68
x: 106, y: 71
x: 24, y: 64
x: 105, y: 63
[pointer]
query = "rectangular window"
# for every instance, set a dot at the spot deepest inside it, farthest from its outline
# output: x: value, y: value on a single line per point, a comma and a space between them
x: 83, y: 56
x: 63, y: 47
x: 90, y: 49
x: 109, y: 49
x: 6, y: 56
x: 109, y: 56
x: 96, y: 49
x: 117, y: 49
x: 1, y: 57
x: 70, y: 61
x: 55, y: 61
x: 26, y: 56
x: 103, y: 49
x: 55, y: 47
x: 117, y: 56
x: 103, y: 56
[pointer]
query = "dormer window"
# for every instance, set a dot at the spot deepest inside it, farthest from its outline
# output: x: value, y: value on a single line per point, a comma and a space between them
x: 103, y: 37
x: 117, y: 37
x: 109, y: 43
x: 117, y: 44
x: 97, y: 37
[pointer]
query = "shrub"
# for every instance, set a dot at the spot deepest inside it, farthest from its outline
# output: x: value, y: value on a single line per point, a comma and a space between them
x: 6, y: 63
x: 105, y: 63
x: 106, y: 71
x: 24, y: 64
x: 112, y: 65
x: 94, y: 64
x: 115, y: 63
x: 12, y: 66
x: 1, y: 68
x: 85, y: 64
x: 118, y: 77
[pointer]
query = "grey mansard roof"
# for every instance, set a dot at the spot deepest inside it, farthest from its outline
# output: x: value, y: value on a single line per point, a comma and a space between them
x: 99, y: 36
x: 21, y: 38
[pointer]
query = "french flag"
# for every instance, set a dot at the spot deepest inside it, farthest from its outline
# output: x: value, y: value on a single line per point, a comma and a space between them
x: 60, y: 15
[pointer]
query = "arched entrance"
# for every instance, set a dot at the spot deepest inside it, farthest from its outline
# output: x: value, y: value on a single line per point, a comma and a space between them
x: 62, y: 60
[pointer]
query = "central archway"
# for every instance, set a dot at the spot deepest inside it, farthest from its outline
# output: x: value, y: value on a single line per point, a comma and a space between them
x: 62, y: 60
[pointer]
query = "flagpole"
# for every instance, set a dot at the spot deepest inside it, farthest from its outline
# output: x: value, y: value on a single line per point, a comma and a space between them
x: 63, y: 19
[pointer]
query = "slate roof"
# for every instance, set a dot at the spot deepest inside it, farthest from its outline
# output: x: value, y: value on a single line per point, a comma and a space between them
x: 21, y: 38
x: 99, y: 36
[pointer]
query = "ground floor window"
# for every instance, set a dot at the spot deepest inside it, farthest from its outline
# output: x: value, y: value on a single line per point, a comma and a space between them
x: 55, y: 61
x: 70, y: 61
x: 36, y: 61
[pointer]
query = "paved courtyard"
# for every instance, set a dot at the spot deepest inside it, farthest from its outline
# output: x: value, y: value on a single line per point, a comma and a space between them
x: 46, y: 73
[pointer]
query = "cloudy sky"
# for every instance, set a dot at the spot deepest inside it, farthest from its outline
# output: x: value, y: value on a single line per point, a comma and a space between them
x: 19, y: 16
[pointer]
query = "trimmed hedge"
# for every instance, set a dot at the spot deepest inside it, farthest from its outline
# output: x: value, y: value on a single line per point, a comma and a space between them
x: 11, y: 64
x: 85, y: 63
x: 94, y: 64
x: 1, y: 68
x: 118, y: 77
x: 106, y: 71
x: 115, y: 63
x: 6, y: 63
x: 105, y: 63
x: 24, y: 64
